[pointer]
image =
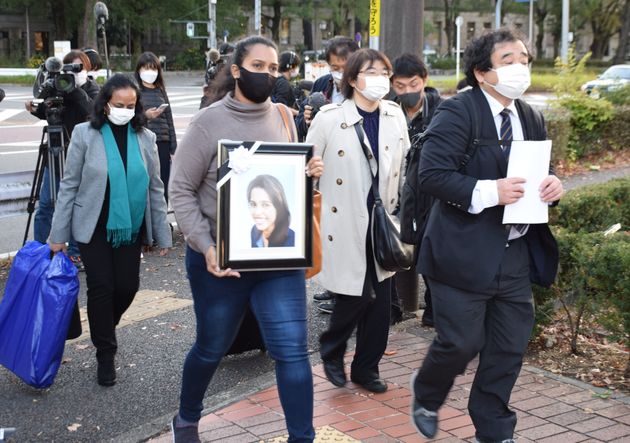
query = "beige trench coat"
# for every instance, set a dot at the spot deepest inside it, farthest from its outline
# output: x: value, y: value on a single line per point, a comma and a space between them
x: 345, y: 185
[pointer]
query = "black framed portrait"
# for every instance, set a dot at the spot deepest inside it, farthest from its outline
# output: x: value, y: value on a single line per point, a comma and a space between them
x: 265, y: 206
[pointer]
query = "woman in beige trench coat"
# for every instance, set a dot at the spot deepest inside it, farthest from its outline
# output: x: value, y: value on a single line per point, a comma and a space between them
x: 349, y: 270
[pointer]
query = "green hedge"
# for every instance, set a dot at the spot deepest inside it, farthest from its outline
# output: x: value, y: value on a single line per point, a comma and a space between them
x: 594, y: 208
x: 594, y: 274
x: 558, y: 123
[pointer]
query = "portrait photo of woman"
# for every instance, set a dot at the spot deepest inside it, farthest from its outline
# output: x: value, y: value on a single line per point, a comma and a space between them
x: 269, y: 209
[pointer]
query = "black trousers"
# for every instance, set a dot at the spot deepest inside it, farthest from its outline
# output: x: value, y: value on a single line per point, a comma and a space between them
x: 369, y: 313
x: 164, y: 154
x: 496, y: 324
x: 113, y: 278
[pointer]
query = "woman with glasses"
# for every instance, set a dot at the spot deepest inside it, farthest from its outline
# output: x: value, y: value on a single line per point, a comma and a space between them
x: 349, y: 269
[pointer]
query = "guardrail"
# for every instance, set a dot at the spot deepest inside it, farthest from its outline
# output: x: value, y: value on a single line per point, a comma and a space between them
x: 15, y: 190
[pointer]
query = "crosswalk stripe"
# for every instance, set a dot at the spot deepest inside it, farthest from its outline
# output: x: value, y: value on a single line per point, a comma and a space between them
x: 6, y: 114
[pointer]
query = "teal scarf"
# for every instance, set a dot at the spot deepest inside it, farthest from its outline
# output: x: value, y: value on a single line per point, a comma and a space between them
x: 127, y: 192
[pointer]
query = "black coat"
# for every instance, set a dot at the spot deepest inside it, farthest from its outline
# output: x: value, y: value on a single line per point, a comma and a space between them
x: 77, y: 105
x: 323, y: 84
x: 461, y: 249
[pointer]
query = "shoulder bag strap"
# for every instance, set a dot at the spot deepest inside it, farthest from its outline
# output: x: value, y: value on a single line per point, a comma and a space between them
x: 361, y: 134
x: 285, y: 120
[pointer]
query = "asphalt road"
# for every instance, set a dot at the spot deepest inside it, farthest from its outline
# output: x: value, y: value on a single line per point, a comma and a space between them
x: 149, y: 363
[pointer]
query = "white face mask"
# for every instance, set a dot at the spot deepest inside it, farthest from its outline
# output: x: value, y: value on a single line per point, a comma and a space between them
x: 337, y: 76
x: 376, y: 86
x: 513, y: 80
x: 120, y: 116
x: 80, y: 78
x: 148, y: 75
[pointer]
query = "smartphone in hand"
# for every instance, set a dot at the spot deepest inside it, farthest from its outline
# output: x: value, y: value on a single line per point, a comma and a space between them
x: 163, y: 106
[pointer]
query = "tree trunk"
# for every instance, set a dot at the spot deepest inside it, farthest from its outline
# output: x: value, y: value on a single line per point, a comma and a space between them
x: 87, y: 28
x: 448, y: 26
x: 275, y: 21
x: 541, y: 15
x: 58, y: 14
x: 624, y: 37
x: 307, y: 28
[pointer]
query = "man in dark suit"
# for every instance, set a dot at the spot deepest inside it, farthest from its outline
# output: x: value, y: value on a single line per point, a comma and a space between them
x: 480, y: 270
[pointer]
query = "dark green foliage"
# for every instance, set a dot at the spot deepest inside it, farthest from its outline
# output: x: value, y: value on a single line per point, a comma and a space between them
x: 558, y: 123
x: 594, y: 274
x: 594, y: 208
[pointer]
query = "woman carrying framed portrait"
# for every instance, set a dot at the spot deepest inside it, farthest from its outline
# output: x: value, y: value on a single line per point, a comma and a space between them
x: 241, y: 110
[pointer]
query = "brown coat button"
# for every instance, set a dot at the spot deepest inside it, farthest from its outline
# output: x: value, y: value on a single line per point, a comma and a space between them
x: 393, y: 200
x: 330, y: 238
x: 341, y: 153
x: 370, y: 156
x: 344, y: 126
x: 333, y: 209
x: 395, y: 174
x: 339, y: 181
x: 387, y: 148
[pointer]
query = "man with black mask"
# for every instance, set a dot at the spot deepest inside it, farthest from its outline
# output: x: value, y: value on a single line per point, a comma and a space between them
x: 418, y: 101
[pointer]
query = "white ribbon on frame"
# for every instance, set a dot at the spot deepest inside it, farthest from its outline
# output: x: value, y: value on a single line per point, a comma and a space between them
x: 239, y: 161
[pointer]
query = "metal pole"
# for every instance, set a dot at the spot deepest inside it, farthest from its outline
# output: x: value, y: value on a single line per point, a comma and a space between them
x: 458, y: 24
x: 497, y: 15
x: 212, y: 24
x: 564, y: 48
x: 375, y: 24
x: 257, y: 14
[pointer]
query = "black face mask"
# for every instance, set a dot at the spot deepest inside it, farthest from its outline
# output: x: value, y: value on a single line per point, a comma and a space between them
x: 410, y: 99
x: 256, y: 86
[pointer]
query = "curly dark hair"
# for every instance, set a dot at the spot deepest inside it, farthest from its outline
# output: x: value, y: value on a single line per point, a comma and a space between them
x: 355, y: 63
x: 224, y: 81
x: 478, y: 53
x: 115, y: 82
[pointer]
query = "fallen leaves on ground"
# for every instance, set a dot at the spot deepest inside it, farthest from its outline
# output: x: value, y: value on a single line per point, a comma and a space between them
x: 600, y: 362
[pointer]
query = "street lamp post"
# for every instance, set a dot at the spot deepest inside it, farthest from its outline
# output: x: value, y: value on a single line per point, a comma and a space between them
x: 212, y: 24
x: 564, y: 48
x: 459, y: 21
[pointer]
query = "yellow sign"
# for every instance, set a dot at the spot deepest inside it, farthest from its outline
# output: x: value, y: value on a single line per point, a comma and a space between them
x: 375, y: 18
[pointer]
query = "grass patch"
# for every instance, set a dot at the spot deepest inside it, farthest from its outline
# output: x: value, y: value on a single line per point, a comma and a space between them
x: 543, y: 80
x: 17, y: 79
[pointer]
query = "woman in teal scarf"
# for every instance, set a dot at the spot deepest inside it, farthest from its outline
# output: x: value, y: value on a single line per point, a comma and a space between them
x: 112, y: 201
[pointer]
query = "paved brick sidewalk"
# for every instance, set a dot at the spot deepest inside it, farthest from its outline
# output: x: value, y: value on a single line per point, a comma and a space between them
x: 550, y: 409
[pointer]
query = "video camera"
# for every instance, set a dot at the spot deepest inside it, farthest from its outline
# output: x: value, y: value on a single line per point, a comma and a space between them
x: 55, y: 79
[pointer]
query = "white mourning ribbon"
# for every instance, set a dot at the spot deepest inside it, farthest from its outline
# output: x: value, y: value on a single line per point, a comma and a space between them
x: 239, y: 161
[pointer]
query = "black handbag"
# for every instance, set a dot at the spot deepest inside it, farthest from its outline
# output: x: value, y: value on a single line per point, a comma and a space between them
x: 391, y: 253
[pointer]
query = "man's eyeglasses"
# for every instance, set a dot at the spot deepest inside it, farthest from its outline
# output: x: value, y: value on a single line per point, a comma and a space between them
x: 371, y: 72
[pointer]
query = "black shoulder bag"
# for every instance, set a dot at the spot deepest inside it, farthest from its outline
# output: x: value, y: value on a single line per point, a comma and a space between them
x: 390, y: 252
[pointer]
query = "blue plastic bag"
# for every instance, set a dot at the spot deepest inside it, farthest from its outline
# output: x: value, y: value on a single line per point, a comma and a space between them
x: 35, y: 313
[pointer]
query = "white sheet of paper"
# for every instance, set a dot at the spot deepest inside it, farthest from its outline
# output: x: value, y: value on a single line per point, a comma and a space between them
x: 530, y: 160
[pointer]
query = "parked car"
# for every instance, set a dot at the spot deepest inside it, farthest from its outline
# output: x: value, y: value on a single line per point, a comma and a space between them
x: 613, y: 78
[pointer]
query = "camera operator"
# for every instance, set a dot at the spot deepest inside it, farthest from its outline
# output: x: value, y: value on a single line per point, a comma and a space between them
x: 95, y: 61
x: 217, y: 59
x: 77, y: 106
x: 284, y: 89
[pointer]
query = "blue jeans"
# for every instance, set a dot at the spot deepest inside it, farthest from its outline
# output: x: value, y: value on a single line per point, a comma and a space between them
x: 44, y: 214
x: 278, y: 300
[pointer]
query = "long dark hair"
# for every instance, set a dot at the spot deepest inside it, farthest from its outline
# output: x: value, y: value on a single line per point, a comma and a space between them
x: 272, y: 186
x: 115, y: 82
x: 224, y: 82
x: 150, y: 60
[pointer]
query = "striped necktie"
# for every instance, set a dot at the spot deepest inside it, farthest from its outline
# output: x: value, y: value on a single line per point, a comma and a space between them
x: 506, y: 144
x: 506, y: 132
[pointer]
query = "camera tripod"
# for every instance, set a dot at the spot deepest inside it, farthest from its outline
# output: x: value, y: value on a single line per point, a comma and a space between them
x: 52, y: 154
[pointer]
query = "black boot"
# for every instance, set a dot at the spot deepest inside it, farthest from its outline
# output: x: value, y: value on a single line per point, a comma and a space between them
x: 106, y: 372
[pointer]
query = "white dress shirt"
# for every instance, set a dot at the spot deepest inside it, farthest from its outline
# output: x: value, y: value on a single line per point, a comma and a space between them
x: 485, y: 194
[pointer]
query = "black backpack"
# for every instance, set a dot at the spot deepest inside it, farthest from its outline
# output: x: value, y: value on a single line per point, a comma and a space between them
x: 415, y: 204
